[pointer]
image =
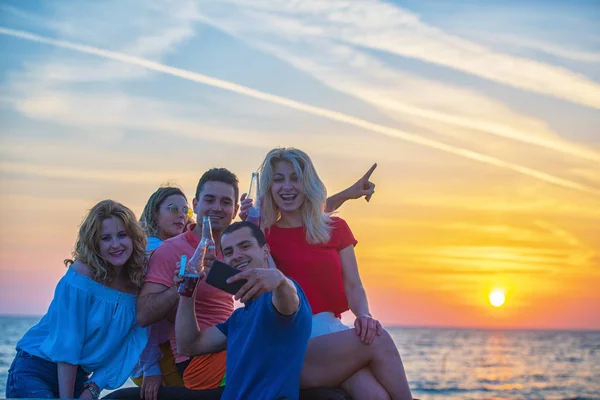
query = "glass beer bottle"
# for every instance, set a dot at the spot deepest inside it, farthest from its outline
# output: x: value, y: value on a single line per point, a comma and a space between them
x: 254, y: 211
x: 205, y: 250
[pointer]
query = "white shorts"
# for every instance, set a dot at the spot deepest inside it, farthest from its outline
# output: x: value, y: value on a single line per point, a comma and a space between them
x: 326, y: 322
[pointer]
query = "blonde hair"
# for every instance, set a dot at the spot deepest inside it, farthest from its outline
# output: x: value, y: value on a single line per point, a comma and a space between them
x: 315, y: 220
x: 87, y: 244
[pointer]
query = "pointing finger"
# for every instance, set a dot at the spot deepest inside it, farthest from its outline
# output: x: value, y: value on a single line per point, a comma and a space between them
x: 367, y: 176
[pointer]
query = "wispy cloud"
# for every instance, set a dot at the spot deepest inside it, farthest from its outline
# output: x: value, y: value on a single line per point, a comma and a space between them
x: 382, y: 26
x: 98, y: 175
x: 20, y: 15
x: 549, y: 48
x: 416, y: 99
x: 154, y: 35
x: 528, y: 205
x: 337, y: 116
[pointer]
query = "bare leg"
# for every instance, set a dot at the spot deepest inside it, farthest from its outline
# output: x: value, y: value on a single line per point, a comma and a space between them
x: 331, y: 359
x: 364, y: 385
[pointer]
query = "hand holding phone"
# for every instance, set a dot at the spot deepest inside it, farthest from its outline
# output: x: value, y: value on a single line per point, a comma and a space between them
x: 257, y: 282
x: 218, y: 274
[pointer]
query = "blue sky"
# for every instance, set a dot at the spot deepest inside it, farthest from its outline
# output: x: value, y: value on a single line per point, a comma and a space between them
x: 483, y: 116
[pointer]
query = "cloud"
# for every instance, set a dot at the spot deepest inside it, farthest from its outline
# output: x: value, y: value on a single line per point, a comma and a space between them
x: 318, y: 111
x: 549, y: 48
x: 529, y: 204
x: 89, y: 174
x: 33, y: 19
x: 158, y: 29
x: 382, y: 26
x: 407, y: 97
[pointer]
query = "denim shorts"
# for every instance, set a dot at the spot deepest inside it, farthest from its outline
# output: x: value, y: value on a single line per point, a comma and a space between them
x: 33, y: 377
x: 324, y: 323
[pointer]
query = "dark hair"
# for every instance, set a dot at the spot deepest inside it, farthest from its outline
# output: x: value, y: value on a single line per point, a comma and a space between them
x: 256, y: 232
x: 219, y: 175
x: 149, y: 217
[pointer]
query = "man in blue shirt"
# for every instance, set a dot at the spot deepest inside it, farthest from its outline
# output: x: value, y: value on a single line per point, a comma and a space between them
x: 267, y: 338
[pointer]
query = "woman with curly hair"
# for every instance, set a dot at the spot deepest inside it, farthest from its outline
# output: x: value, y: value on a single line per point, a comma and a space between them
x: 90, y: 327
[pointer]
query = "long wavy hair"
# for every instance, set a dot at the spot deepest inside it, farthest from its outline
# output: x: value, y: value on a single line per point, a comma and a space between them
x: 315, y: 220
x: 149, y: 217
x: 87, y: 246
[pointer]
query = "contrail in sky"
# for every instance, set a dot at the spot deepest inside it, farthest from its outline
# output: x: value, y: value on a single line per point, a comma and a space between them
x: 323, y: 112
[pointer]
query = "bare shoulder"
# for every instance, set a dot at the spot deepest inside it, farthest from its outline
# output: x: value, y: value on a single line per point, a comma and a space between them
x: 81, y: 269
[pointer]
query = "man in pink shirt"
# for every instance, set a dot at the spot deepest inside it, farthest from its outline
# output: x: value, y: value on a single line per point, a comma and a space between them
x: 216, y: 196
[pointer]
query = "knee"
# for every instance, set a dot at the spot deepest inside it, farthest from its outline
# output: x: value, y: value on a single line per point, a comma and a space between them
x: 385, y: 340
x: 384, y: 344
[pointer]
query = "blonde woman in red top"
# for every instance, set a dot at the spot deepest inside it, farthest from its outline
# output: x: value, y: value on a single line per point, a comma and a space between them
x: 317, y: 251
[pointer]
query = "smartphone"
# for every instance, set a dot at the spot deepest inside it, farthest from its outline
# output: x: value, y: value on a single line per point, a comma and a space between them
x: 218, y: 274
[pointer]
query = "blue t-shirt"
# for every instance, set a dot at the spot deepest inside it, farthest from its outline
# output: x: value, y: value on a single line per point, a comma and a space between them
x: 265, y: 349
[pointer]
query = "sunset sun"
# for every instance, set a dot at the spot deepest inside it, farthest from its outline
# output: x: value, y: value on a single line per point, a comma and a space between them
x: 497, y: 298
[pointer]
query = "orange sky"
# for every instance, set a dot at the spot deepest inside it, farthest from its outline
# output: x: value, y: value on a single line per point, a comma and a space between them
x: 425, y: 264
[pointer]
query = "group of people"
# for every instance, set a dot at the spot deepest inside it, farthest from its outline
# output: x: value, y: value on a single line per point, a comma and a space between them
x: 117, y: 313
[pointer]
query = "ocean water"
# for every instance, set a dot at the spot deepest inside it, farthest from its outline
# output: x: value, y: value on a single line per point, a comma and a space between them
x: 460, y: 363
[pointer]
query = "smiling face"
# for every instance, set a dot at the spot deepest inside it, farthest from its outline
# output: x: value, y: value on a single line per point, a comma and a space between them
x: 115, y: 246
x: 287, y: 189
x: 242, y: 251
x: 217, y: 200
x: 172, y: 215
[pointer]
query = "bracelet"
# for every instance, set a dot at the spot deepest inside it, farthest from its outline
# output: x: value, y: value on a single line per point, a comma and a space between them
x: 93, y: 388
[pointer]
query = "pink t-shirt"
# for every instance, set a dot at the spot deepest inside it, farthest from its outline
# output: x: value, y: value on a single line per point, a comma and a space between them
x: 213, y: 306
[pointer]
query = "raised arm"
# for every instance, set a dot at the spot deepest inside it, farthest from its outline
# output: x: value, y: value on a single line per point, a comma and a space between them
x: 285, y: 297
x: 192, y: 341
x: 263, y: 280
x: 362, y: 187
x: 366, y: 326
